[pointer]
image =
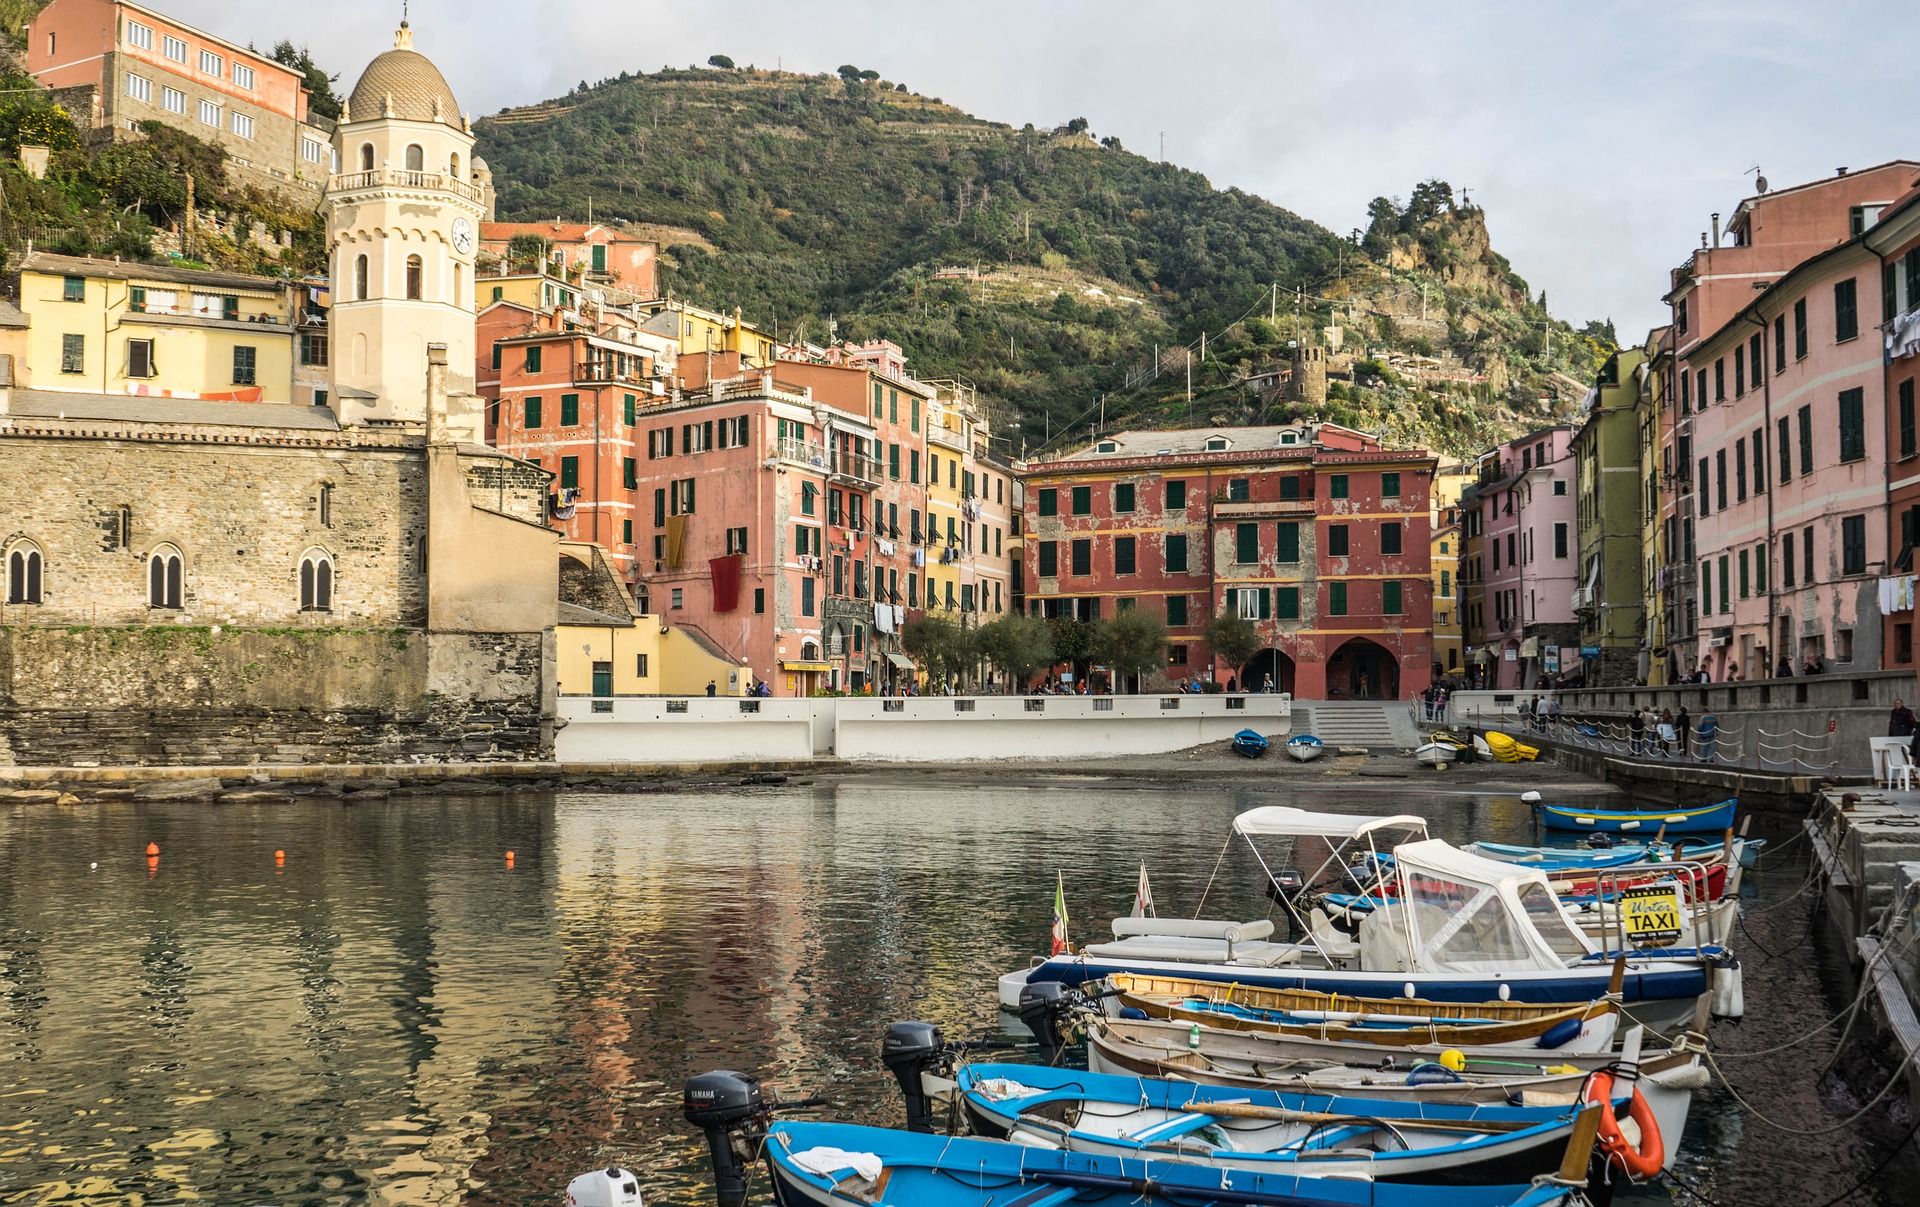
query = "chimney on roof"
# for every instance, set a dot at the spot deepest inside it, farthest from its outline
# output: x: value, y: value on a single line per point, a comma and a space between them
x: 1840, y: 171
x: 1716, y: 228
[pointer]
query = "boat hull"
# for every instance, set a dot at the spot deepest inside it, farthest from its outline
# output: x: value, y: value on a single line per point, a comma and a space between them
x: 1305, y: 751
x: 1708, y: 820
x: 1660, y: 993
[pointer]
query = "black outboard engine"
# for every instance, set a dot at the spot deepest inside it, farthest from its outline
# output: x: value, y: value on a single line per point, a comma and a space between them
x: 727, y: 1106
x: 909, y: 1050
x: 1042, y: 1003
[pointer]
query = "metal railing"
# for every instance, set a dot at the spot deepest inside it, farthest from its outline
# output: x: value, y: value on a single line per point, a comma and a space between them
x: 856, y: 468
x: 801, y: 452
x: 347, y: 182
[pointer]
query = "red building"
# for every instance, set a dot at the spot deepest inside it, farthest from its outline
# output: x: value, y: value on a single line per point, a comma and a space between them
x: 1312, y: 532
x: 604, y: 255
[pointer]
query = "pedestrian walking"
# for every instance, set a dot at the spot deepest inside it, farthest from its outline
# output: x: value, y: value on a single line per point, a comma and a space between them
x: 1636, y: 732
x: 1665, y: 732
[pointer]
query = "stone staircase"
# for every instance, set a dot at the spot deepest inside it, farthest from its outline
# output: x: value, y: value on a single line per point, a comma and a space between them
x: 1358, y: 724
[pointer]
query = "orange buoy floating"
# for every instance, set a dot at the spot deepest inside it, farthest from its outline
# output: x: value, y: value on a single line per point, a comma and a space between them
x: 279, y: 857
x: 153, y: 850
x: 509, y: 858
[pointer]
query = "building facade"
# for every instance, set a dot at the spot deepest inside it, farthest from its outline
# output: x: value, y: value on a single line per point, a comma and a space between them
x: 106, y: 327
x: 1896, y: 240
x: 1451, y: 479
x: 1313, y: 533
x: 1525, y: 497
x: 1608, y: 495
x: 1663, y: 623
x: 119, y: 64
x: 590, y: 253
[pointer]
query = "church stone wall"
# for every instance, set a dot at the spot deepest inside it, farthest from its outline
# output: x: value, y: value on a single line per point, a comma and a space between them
x: 241, y: 515
x: 178, y: 695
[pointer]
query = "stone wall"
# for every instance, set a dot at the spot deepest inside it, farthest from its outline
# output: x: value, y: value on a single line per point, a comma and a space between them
x: 208, y: 696
x: 241, y: 506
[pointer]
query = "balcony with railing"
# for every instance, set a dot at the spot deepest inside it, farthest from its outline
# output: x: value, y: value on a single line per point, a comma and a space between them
x: 401, y: 178
x: 956, y: 441
x: 795, y: 451
x: 854, y: 469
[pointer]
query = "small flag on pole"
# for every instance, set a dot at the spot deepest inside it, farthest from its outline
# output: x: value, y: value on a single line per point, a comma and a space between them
x: 1143, y: 897
x: 1060, y: 943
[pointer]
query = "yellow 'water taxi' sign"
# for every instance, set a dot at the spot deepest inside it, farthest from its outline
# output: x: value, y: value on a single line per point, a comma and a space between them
x: 1651, y: 913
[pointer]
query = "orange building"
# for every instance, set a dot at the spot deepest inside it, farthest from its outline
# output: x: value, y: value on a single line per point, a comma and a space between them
x: 607, y: 256
x: 115, y: 64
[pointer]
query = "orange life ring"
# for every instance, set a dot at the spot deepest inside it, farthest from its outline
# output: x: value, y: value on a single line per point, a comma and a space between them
x: 1644, y: 1161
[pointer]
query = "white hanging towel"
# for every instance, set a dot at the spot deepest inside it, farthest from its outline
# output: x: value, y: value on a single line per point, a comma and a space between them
x: 829, y: 1161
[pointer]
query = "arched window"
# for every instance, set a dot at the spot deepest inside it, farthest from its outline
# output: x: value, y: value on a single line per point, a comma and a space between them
x: 453, y: 165
x: 163, y: 577
x: 415, y: 273
x: 809, y: 651
x: 366, y: 157
x: 316, y: 581
x: 23, y: 567
x: 416, y: 158
x: 360, y: 278
x: 459, y: 284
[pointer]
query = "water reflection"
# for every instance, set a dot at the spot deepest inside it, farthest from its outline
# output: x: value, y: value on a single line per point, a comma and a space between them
x: 396, y: 1016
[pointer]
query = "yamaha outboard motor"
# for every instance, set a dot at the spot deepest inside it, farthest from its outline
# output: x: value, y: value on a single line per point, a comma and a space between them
x: 1042, y: 1003
x: 909, y: 1050
x: 609, y: 1187
x: 727, y: 1106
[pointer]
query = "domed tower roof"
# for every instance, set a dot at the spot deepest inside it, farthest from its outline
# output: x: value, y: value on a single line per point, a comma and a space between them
x: 406, y: 80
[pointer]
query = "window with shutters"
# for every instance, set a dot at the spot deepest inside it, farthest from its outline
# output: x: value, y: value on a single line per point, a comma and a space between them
x: 1083, y: 557
x: 1783, y: 447
x: 569, y: 410
x: 1905, y: 411
x: 244, y: 365
x: 1239, y: 490
x: 1720, y: 479
x: 1286, y: 603
x: 1853, y: 544
x: 140, y: 358
x: 1846, y: 310
x: 1289, y: 542
x: 1390, y: 537
x: 1176, y: 496
x: 1123, y: 554
x: 1800, y: 329
x: 1390, y: 604
x: 629, y: 472
x: 1336, y: 599
x: 1560, y: 540
x: 1853, y: 425
x: 1337, y: 541
x: 1176, y: 554
x: 1082, y: 500
x: 1389, y: 486
x: 1246, y: 543
x: 73, y: 354
x: 1122, y: 497
x: 1337, y: 485
x: 1049, y: 559
x: 533, y: 413
x: 1049, y: 502
x: 570, y: 473
x: 1787, y: 566
x: 1740, y: 470
x: 1176, y: 611
x: 1759, y: 461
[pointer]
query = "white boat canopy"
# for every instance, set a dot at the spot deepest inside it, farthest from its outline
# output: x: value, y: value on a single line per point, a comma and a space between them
x: 1459, y: 912
x: 1281, y: 820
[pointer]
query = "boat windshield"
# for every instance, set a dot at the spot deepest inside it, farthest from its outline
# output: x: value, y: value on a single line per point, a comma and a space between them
x: 1462, y: 926
x: 1550, y: 919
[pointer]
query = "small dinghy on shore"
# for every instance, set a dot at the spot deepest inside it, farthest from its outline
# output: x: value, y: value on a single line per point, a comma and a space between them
x: 1304, y: 748
x: 1250, y: 744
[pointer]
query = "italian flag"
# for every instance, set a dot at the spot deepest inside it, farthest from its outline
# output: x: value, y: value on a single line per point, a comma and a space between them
x: 1060, y: 943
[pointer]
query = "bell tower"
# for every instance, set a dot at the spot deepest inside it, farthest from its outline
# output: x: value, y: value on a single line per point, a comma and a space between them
x: 403, y: 229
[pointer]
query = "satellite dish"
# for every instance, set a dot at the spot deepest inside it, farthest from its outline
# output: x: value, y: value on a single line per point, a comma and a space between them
x: 1760, y: 184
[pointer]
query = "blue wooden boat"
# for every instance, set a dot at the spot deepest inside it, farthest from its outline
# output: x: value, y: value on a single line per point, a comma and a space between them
x: 1147, y: 1118
x: 1304, y: 747
x: 913, y: 1169
x: 1553, y: 859
x: 1250, y: 744
x: 1704, y: 819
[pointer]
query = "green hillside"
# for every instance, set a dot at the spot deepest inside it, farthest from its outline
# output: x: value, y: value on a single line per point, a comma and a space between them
x: 818, y: 200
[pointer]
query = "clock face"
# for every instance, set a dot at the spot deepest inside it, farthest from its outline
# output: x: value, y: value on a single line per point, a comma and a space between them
x: 462, y: 236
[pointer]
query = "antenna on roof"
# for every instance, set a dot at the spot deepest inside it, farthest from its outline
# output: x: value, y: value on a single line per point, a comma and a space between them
x: 1759, y: 179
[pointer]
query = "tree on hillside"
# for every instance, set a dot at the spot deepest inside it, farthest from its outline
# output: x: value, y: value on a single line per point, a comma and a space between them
x: 1077, y: 126
x: 1232, y: 639
x: 847, y: 71
x: 1132, y: 643
x: 321, y: 98
x: 1019, y: 645
x: 721, y: 61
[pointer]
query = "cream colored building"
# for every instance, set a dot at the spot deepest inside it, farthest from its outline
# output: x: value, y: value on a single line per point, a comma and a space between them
x: 605, y: 656
x: 403, y: 232
x: 105, y: 327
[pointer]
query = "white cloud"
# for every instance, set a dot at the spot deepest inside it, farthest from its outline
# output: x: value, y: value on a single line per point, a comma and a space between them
x: 1598, y: 136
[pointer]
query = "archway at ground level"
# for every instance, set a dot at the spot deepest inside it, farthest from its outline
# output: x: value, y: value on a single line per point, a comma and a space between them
x: 1268, y: 662
x: 1363, y: 670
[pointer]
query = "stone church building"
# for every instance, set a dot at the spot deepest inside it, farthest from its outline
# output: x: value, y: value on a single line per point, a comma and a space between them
x: 229, y: 583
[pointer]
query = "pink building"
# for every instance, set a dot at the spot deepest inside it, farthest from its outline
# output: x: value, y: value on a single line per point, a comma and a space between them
x: 1780, y: 431
x: 1531, y: 560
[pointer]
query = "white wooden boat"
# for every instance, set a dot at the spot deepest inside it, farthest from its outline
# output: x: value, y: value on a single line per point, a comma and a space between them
x: 1304, y: 748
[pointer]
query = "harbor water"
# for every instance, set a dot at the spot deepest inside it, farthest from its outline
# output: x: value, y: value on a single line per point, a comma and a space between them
x: 396, y: 1015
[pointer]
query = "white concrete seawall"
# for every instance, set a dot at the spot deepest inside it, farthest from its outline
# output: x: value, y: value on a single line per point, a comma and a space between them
x: 920, y: 729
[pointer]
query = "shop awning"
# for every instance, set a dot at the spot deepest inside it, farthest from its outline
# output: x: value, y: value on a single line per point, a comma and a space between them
x: 901, y: 661
x: 816, y: 667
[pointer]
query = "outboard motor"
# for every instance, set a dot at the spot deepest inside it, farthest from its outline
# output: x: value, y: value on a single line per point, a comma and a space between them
x: 610, y: 1187
x: 1042, y: 1003
x: 909, y: 1050
x: 728, y: 1108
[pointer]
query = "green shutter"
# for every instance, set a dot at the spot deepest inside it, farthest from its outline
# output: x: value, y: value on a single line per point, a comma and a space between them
x: 1390, y: 599
x: 569, y: 410
x: 1337, y: 599
x: 533, y: 411
x: 1233, y: 601
x: 1337, y: 486
x: 1266, y: 603
x: 1389, y: 486
x: 1246, y: 543
x: 1082, y: 497
x: 1289, y: 542
x: 1049, y: 502
x: 1176, y: 611
x: 1287, y: 603
x: 629, y: 410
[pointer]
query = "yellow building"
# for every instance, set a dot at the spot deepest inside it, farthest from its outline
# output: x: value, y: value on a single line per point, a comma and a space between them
x: 1656, y: 604
x: 104, y: 327
x: 701, y: 330
x: 605, y: 656
x: 1450, y: 478
x: 536, y: 291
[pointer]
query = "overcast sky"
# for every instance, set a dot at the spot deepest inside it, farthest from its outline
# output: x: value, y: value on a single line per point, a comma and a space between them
x: 1599, y: 136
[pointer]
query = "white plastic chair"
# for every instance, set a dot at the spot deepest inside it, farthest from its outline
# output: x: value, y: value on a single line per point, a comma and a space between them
x: 1900, y: 767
